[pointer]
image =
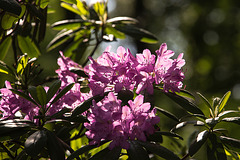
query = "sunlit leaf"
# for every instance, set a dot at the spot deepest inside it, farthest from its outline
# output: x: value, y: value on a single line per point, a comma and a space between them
x: 28, y: 46
x: 159, y: 150
x: 7, y: 21
x: 126, y: 20
x: 232, y: 119
x: 4, y: 46
x: 44, y: 3
x: 110, y: 30
x: 35, y: 143
x: 70, y: 8
x: 78, y: 71
x: 197, y: 144
x: 225, y: 113
x: 231, y: 142
x: 84, y: 13
x: 182, y: 124
x: 206, y: 102
x: 70, y: 1
x: 224, y: 101
x: 69, y: 24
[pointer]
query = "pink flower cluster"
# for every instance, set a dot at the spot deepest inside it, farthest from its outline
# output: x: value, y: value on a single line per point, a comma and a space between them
x: 115, y: 71
x: 108, y: 120
x: 11, y: 103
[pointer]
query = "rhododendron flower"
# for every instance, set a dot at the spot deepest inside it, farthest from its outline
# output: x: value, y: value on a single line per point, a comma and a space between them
x: 108, y: 120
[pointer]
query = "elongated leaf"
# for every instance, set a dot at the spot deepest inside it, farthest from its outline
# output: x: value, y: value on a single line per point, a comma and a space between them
x: 125, y: 20
x: 85, y: 105
x: 159, y: 150
x: 224, y: 101
x: 168, y: 114
x: 55, y: 149
x: 21, y: 94
x: 60, y: 113
x: 185, y: 103
x: 61, y: 38
x: 53, y: 89
x: 78, y: 71
x: 35, y: 143
x: 110, y: 30
x: 197, y: 144
x: 41, y: 94
x: 4, y: 46
x: 70, y: 1
x: 33, y: 92
x: 83, y: 150
x: 136, y: 151
x: 63, y: 92
x: 70, y: 8
x: 169, y: 134
x: 28, y: 46
x: 11, y: 6
x: 44, y: 3
x: 84, y: 13
x: 225, y: 113
x: 8, y: 20
x: 231, y: 142
x: 69, y: 24
x: 107, y: 154
x: 232, y: 119
x: 215, y: 149
x: 137, y: 33
x: 155, y: 137
x: 182, y: 124
x: 185, y: 93
x: 205, y: 101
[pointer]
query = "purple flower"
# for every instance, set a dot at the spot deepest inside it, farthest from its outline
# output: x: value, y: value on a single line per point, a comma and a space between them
x: 108, y: 120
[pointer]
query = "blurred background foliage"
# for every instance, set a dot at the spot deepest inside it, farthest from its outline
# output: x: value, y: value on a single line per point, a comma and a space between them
x: 208, y: 32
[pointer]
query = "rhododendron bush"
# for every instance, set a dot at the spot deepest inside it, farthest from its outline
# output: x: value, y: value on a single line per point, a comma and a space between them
x: 104, y: 109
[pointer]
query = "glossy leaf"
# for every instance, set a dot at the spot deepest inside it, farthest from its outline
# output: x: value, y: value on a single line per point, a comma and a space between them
x: 225, y: 113
x: 185, y: 93
x: 7, y: 21
x: 197, y: 144
x: 185, y: 103
x: 136, y: 151
x: 69, y: 24
x: 137, y: 33
x: 4, y: 46
x: 60, y: 113
x: 232, y: 119
x: 224, y: 101
x: 70, y: 8
x: 28, y: 46
x: 83, y: 149
x: 182, y: 124
x: 70, y: 1
x: 33, y: 92
x: 41, y: 94
x: 21, y: 94
x: 78, y: 71
x: 159, y: 150
x: 205, y: 101
x: 35, y: 143
x: 231, y: 142
x: 215, y: 149
x: 11, y: 6
x: 53, y: 89
x: 110, y: 30
x: 125, y: 20
x: 44, y: 3
x: 86, y: 105
x: 62, y: 93
x: 55, y: 149
x: 168, y: 114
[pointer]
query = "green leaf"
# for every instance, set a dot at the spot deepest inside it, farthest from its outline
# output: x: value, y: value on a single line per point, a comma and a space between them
x: 44, y: 3
x: 206, y: 102
x: 184, y: 103
x: 53, y: 89
x: 70, y: 24
x: 7, y: 21
x: 159, y: 150
x: 28, y: 46
x: 41, y: 94
x: 61, y: 38
x: 155, y: 137
x: 110, y: 30
x: 197, y: 144
x: 182, y: 124
x: 137, y: 33
x: 225, y: 113
x: 230, y: 142
x: 11, y: 6
x: 107, y: 154
x: 168, y: 114
x: 35, y: 143
x: 63, y: 92
x: 84, y: 13
x: 60, y: 113
x: 70, y: 8
x: 86, y: 105
x: 224, y: 101
x: 125, y: 20
x: 33, y: 92
x: 70, y: 1
x: 78, y: 71
x: 215, y: 149
x: 169, y: 134
x: 185, y: 93
x: 232, y: 119
x: 21, y: 94
x: 54, y: 146
x: 136, y: 151
x: 84, y: 149
x: 4, y: 46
